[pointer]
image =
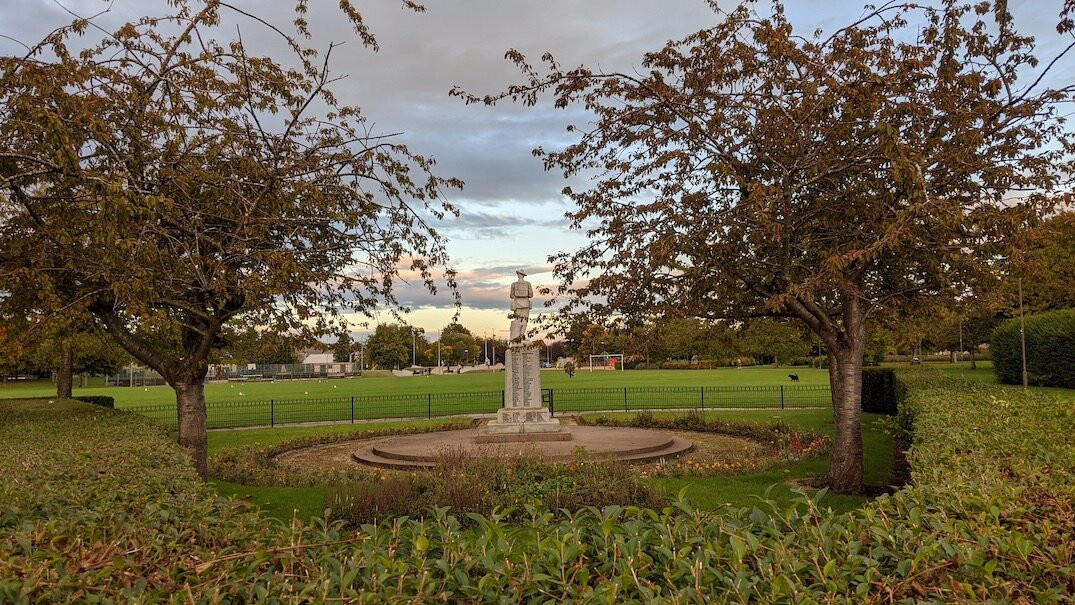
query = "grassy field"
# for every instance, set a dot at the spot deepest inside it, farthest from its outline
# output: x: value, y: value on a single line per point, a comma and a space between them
x: 452, y: 383
x: 372, y: 398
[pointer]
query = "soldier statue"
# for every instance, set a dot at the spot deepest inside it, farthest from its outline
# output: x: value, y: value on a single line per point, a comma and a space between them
x: 521, y: 293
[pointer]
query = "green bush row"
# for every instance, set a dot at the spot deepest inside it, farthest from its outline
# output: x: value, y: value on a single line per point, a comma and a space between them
x: 104, y: 401
x: 879, y: 391
x: 1050, y: 350
x: 96, y: 505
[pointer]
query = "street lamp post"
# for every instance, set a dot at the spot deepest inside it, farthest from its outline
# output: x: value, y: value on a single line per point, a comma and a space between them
x: 961, y: 347
x: 1022, y: 333
x: 414, y: 356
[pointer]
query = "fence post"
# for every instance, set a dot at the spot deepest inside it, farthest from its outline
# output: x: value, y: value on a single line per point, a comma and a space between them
x: 703, y: 398
x: 272, y: 413
x: 552, y: 404
x: 781, y: 396
x: 429, y: 406
x: 352, y: 409
x: 625, y: 399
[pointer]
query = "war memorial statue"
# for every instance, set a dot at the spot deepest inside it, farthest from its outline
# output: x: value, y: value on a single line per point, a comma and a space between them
x: 523, y: 412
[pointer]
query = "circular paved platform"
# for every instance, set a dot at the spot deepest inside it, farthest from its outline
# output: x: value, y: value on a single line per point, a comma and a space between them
x: 425, y: 450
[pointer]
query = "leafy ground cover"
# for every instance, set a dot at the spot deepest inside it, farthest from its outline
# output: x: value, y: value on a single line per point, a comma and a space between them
x: 96, y: 504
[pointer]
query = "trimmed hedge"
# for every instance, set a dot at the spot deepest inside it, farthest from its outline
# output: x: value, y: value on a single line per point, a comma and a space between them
x: 102, y: 400
x: 879, y: 391
x: 96, y: 504
x: 1050, y: 350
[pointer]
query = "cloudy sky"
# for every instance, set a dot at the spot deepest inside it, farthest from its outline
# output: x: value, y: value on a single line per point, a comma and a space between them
x: 511, y: 210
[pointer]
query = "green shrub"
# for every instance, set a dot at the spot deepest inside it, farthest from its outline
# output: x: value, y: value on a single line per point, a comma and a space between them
x: 102, y: 400
x: 879, y: 391
x: 1050, y: 350
x: 97, y: 505
x: 485, y: 485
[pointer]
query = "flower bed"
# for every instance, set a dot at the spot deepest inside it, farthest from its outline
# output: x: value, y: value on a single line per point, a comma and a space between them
x: 776, y: 443
x: 491, y: 486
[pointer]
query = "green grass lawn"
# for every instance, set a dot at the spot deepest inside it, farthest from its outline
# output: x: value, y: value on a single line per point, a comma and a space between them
x: 984, y: 374
x: 277, y: 502
x: 262, y: 437
x: 372, y: 398
x: 452, y: 383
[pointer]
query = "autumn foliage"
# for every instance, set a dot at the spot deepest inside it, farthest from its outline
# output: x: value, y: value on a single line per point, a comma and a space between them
x: 750, y: 169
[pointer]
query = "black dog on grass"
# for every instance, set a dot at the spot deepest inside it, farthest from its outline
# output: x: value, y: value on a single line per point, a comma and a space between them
x: 794, y: 377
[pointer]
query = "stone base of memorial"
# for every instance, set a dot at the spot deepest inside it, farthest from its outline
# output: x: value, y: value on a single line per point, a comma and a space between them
x: 523, y: 418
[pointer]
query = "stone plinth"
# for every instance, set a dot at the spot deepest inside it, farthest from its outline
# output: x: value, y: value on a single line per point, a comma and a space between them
x: 522, y: 413
x: 522, y: 420
x: 522, y: 377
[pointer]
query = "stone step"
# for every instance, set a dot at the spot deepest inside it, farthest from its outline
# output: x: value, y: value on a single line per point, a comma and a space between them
x: 390, y: 455
x: 366, y: 456
x: 677, y: 447
x: 373, y: 456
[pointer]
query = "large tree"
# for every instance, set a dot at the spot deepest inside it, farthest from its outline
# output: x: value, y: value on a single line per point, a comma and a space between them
x: 46, y: 344
x: 172, y: 184
x: 773, y: 341
x: 461, y: 344
x: 390, y: 346
x: 1047, y: 267
x: 749, y: 169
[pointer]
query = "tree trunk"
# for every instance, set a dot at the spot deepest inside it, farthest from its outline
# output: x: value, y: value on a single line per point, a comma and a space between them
x: 973, y: 365
x: 845, y: 474
x: 65, y: 376
x: 190, y: 401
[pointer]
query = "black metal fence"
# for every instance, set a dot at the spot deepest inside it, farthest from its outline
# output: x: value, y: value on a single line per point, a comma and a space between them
x: 272, y: 412
x: 629, y: 399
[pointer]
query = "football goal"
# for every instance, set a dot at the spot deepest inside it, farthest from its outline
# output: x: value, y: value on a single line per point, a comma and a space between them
x: 607, y: 362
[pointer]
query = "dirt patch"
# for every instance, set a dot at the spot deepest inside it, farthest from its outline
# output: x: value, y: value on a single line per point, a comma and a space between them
x: 713, y: 454
x: 329, y: 456
x: 719, y: 447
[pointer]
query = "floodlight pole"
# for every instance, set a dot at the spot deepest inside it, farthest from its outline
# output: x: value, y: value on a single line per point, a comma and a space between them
x: 1022, y: 333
